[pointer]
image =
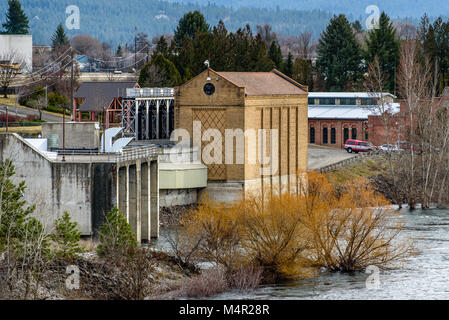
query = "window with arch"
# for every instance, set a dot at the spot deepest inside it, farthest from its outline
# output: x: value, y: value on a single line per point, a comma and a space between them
x: 345, y: 134
x: 354, y: 133
x: 312, y: 135
x: 333, y: 136
x: 325, y: 136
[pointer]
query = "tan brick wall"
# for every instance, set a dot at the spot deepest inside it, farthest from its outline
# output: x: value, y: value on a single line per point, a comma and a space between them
x: 287, y: 113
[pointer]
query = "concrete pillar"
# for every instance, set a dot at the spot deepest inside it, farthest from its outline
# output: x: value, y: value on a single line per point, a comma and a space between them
x: 122, y: 196
x: 134, y: 200
x: 145, y: 202
x: 126, y: 211
x: 154, y: 192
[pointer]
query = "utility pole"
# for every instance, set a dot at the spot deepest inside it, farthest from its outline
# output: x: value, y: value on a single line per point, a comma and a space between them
x: 63, y: 107
x: 135, y: 49
x: 6, y: 118
x: 63, y: 134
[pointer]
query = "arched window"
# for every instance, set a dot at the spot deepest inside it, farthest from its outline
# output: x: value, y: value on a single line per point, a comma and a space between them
x: 345, y: 134
x: 312, y: 135
x: 354, y: 133
x: 333, y: 136
x: 325, y: 136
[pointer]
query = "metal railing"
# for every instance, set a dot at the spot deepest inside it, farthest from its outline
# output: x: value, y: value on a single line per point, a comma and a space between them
x: 93, y: 156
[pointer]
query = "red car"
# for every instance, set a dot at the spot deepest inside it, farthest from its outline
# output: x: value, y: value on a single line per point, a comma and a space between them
x: 357, y: 146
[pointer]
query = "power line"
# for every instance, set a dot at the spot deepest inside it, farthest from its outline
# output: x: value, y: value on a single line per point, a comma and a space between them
x: 113, y: 61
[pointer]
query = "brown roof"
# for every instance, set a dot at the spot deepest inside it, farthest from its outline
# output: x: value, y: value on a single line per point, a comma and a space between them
x: 99, y: 95
x: 264, y: 83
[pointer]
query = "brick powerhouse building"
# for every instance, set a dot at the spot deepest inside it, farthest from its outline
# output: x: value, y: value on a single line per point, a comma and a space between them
x: 335, y: 117
x: 398, y: 122
x: 247, y: 100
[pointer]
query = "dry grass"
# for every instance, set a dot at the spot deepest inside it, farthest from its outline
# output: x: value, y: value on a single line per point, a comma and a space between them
x: 89, y: 245
x: 10, y: 101
x: 27, y: 130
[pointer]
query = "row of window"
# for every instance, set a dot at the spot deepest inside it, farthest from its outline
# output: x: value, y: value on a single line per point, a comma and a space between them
x: 343, y: 101
x: 333, y: 131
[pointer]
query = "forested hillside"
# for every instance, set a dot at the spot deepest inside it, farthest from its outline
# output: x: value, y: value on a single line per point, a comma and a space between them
x: 114, y: 21
x: 356, y: 8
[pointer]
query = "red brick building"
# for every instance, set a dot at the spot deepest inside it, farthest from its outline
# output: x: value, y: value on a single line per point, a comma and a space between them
x: 335, y: 117
x: 398, y: 122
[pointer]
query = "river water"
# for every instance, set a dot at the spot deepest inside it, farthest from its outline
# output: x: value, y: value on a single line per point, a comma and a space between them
x: 421, y: 276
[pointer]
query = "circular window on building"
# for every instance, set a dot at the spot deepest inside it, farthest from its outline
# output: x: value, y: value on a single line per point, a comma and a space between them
x: 209, y: 89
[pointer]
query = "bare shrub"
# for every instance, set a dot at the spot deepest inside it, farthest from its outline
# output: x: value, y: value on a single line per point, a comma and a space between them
x: 246, y: 278
x: 209, y: 282
x: 286, y: 236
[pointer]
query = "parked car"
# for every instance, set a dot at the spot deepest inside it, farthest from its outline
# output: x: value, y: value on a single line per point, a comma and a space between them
x: 388, y: 148
x: 407, y: 146
x: 357, y: 146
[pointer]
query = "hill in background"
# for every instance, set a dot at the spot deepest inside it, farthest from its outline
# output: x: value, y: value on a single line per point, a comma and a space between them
x: 114, y: 21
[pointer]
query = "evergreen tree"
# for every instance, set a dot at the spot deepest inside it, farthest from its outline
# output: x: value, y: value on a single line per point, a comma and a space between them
x: 259, y: 60
x: 339, y: 55
x: 159, y: 72
x: 381, y: 42
x: 119, y: 51
x: 16, y: 19
x: 188, y: 26
x: 357, y: 26
x: 303, y: 72
x: 59, y: 38
x: 66, y: 237
x: 161, y: 47
x: 116, y: 236
x: 288, y: 66
x: 434, y: 40
x: 275, y: 54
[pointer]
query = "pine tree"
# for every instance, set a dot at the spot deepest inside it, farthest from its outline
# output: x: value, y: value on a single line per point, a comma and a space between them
x: 116, y: 236
x: 259, y: 60
x: 339, y: 55
x: 119, y: 51
x: 357, y: 26
x: 288, y: 66
x: 16, y: 19
x: 59, y: 38
x: 161, y: 47
x: 303, y: 72
x: 189, y: 25
x: 381, y: 42
x: 66, y: 237
x: 275, y: 54
x: 159, y: 72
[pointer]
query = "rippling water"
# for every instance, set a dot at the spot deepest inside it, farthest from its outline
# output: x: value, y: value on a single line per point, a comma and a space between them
x: 423, y: 276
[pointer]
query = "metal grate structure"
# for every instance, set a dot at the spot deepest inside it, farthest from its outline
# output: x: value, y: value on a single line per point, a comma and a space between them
x: 148, y: 113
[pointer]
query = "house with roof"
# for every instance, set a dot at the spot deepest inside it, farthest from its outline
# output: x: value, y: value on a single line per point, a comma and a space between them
x: 101, y: 100
x: 335, y: 117
x: 250, y: 129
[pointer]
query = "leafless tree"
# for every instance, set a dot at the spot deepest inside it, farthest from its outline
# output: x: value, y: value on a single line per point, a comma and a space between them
x: 413, y: 84
x: 374, y: 84
x: 267, y: 35
x: 12, y: 63
x: 306, y: 47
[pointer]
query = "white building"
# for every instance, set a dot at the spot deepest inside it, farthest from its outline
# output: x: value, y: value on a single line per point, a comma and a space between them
x: 17, y: 48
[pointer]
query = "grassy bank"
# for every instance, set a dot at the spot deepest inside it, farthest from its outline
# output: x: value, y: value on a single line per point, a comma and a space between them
x: 365, y: 168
